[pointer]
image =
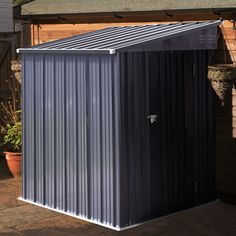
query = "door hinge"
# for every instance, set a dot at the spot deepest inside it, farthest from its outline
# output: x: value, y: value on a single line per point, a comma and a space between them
x: 194, y: 70
x: 195, y: 186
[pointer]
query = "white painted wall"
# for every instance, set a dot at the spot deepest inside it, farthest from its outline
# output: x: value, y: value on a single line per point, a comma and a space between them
x: 6, y: 16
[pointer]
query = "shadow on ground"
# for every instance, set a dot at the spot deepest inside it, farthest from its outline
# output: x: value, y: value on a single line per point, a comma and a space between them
x: 4, y: 170
x: 21, y: 219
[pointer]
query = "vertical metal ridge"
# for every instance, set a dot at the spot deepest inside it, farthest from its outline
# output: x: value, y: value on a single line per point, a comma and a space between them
x: 23, y: 165
x: 146, y: 181
x: 49, y: 130
x: 34, y: 170
x: 44, y: 126
x: 55, y: 135
x: 65, y: 137
x: 175, y: 123
x: 117, y: 136
x: 91, y: 144
x: 59, y: 109
x: 29, y: 118
x: 103, y: 141
x: 39, y: 130
x: 71, y: 134
x: 104, y: 99
x: 81, y: 157
x: 111, y: 144
x: 87, y: 86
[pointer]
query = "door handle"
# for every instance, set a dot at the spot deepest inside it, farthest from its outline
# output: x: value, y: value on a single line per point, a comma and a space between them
x: 152, y: 118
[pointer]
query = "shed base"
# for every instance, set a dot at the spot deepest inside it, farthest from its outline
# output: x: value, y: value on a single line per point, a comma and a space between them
x: 117, y: 228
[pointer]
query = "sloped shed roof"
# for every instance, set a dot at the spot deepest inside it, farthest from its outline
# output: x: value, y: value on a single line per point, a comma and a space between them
x: 113, y: 39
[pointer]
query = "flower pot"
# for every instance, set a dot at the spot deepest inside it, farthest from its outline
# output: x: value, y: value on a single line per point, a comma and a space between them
x: 14, y: 163
x: 222, y: 78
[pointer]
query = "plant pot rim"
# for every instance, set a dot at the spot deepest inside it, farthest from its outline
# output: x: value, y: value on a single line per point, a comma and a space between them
x: 13, y: 153
x: 13, y: 156
x: 222, y: 66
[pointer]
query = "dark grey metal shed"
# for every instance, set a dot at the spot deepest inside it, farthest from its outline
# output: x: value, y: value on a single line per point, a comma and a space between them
x: 119, y: 123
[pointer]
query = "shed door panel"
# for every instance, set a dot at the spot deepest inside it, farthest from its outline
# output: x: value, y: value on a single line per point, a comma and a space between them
x: 178, y: 178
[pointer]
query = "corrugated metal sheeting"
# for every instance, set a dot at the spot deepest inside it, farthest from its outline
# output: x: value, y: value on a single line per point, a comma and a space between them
x: 168, y: 165
x: 182, y: 140
x: 89, y: 149
x: 70, y: 135
x: 113, y: 39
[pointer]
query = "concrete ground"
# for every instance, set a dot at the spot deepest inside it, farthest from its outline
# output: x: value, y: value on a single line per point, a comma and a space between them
x: 18, y: 218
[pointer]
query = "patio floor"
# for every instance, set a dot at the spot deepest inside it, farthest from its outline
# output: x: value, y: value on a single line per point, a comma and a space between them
x: 18, y: 218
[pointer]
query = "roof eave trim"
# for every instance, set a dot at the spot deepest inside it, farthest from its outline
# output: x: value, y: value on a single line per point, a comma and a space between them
x: 66, y: 51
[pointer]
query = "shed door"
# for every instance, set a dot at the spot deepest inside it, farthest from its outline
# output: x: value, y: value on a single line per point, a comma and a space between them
x: 176, y: 172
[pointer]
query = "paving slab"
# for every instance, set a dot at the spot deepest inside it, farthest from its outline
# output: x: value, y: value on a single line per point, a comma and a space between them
x: 18, y: 218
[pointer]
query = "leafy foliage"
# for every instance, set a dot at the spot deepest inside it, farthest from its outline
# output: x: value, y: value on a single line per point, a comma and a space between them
x: 13, y: 135
x: 10, y: 117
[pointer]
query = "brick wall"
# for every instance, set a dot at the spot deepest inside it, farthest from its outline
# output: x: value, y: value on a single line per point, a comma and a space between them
x: 226, y: 149
x: 226, y: 121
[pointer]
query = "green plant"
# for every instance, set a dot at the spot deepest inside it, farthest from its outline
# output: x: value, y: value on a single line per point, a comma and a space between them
x: 12, y: 138
x: 10, y: 117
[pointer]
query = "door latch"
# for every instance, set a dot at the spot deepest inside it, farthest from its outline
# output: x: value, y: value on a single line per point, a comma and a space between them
x: 152, y: 118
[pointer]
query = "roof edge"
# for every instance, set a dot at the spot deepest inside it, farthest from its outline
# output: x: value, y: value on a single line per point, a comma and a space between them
x: 63, y: 51
x: 112, y: 50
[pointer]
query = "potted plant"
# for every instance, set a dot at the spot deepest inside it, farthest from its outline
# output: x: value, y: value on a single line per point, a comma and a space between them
x: 11, y: 127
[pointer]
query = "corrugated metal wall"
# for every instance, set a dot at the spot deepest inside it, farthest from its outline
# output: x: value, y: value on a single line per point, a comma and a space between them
x: 135, y: 160
x: 70, y: 135
x: 89, y: 149
x: 169, y: 165
x: 182, y: 141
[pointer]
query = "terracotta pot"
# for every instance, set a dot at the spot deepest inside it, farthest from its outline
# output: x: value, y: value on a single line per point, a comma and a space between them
x: 223, y: 78
x: 14, y: 163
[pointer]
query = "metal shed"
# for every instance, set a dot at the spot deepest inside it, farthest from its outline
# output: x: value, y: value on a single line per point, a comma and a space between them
x: 119, y: 123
